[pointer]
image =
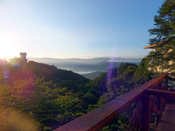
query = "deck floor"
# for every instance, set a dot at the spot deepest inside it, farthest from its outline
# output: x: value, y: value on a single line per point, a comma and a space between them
x: 167, y: 122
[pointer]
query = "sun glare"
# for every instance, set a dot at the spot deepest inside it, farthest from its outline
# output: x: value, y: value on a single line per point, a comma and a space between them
x: 7, y: 47
x: 7, y: 50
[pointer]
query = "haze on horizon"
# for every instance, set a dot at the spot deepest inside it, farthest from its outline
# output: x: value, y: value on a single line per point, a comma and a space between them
x: 76, y: 29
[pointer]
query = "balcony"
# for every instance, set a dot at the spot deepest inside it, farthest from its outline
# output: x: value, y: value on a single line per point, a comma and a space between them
x: 151, y: 98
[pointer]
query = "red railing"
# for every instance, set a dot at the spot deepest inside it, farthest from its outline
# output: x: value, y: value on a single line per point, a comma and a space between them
x: 152, y: 95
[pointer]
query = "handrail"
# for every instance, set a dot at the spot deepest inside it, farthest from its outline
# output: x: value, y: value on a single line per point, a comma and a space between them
x: 101, y: 116
x: 165, y: 94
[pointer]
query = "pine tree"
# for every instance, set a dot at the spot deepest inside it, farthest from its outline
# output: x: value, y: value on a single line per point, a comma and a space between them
x: 164, y: 36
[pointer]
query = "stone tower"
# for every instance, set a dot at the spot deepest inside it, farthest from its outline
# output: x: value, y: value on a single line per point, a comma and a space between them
x: 23, y: 56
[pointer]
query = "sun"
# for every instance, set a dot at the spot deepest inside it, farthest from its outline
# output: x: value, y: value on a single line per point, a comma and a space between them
x: 7, y: 47
x: 6, y: 50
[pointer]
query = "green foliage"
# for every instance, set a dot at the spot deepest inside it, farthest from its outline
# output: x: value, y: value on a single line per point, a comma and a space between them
x: 27, y: 89
x: 69, y: 107
x: 90, y: 98
x: 123, y: 67
x: 142, y: 74
x: 50, y: 100
x: 103, y: 99
x: 128, y: 76
x: 124, y: 82
x: 50, y: 106
x: 98, y: 83
x: 119, y: 123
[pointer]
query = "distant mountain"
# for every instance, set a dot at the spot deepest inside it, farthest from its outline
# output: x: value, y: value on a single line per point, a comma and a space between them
x: 92, y: 75
x: 86, y: 65
x: 68, y: 63
x: 100, y: 67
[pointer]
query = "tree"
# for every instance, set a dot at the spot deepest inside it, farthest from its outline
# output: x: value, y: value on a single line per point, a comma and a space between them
x: 164, y: 37
x: 142, y: 74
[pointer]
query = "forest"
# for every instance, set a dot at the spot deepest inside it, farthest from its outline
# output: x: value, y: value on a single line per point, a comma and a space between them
x: 49, y: 97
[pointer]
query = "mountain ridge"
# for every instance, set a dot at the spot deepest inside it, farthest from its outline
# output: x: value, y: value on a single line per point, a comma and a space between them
x: 90, y: 65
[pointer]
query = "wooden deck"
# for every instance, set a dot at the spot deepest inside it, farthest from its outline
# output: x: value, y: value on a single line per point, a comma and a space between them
x: 167, y: 122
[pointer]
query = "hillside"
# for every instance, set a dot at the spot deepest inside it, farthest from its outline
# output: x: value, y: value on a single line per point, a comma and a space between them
x: 62, y: 78
x: 49, y: 95
x: 92, y: 75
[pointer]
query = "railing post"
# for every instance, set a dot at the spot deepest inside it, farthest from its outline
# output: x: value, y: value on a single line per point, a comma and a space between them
x: 166, y: 83
x: 166, y: 87
x: 146, y: 112
x: 159, y: 105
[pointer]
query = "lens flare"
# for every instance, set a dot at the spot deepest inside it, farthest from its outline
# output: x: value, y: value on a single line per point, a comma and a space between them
x: 109, y: 73
x: 13, y: 120
x: 21, y: 82
x: 22, y: 89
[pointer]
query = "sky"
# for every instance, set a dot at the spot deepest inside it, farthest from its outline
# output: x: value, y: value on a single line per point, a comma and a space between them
x: 76, y: 28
